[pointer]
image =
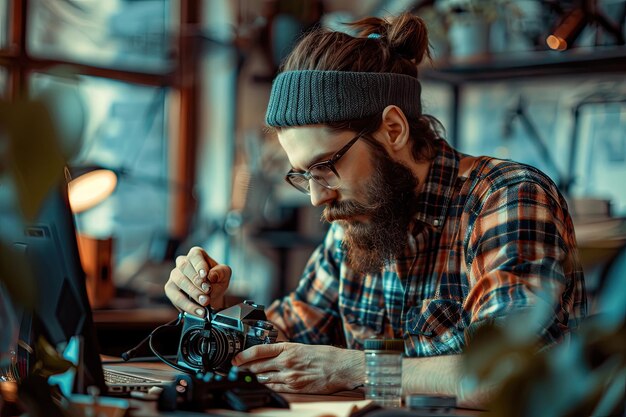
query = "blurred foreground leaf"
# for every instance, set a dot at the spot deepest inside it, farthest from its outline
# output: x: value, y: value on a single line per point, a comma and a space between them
x: 35, y: 162
x: 583, y: 376
x: 48, y: 360
x: 17, y: 277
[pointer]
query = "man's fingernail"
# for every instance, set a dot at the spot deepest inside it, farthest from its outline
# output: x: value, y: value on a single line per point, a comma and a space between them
x: 205, y: 286
x: 202, y: 273
x: 200, y: 312
x: 202, y: 300
x: 262, y: 378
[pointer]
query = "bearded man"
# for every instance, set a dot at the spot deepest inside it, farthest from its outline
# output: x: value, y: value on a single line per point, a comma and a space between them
x: 426, y: 243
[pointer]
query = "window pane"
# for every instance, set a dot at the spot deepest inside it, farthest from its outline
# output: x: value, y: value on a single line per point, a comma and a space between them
x: 132, y: 35
x: 3, y: 83
x: 125, y: 129
x: 601, y: 155
x: 4, y: 23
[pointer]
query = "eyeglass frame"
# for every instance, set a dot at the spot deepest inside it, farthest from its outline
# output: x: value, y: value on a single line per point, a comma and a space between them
x: 330, y: 163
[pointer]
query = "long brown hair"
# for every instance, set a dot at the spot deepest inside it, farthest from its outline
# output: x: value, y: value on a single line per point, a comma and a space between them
x: 396, y: 45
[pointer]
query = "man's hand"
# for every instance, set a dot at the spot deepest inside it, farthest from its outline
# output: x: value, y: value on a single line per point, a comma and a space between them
x: 313, y: 369
x: 197, y: 281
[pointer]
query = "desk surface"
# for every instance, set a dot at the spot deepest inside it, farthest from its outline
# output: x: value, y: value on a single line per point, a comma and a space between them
x: 302, y: 405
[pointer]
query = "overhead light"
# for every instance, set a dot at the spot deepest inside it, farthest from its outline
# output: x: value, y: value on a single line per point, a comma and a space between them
x: 91, y: 188
x: 568, y: 29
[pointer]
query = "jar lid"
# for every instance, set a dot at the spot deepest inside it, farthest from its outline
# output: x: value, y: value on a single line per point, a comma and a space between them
x: 417, y: 401
x: 395, y: 345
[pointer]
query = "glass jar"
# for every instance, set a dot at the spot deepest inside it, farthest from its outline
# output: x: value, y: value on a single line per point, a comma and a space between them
x: 383, y: 371
x: 8, y: 337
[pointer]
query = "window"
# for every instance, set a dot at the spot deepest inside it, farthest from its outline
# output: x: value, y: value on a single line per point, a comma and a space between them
x: 131, y: 35
x: 4, y: 23
x: 3, y: 83
x: 124, y: 130
x: 125, y: 75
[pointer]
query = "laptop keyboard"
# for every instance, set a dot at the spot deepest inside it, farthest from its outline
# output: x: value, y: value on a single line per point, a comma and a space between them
x: 114, y: 377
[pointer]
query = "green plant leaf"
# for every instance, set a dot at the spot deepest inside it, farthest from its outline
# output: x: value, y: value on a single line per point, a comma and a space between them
x: 35, y: 162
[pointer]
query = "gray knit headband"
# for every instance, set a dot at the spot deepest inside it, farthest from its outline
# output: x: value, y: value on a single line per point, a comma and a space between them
x: 315, y: 97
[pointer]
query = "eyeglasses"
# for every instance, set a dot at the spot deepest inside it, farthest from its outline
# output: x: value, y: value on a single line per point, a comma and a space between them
x: 324, y: 173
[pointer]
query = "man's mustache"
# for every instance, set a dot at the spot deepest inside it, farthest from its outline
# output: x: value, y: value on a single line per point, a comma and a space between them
x: 345, y: 209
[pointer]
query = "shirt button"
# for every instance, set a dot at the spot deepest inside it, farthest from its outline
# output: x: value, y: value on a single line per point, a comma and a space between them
x: 436, y: 222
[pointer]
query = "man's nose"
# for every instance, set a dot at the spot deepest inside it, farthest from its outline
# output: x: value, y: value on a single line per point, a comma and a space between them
x: 321, y: 195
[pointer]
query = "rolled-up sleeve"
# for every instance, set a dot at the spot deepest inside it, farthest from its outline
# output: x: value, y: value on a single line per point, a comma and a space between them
x: 520, y: 251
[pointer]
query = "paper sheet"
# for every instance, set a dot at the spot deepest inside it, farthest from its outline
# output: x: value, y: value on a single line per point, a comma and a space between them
x: 315, y: 409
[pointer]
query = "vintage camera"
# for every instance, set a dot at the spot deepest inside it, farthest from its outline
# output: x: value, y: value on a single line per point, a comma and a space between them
x: 209, y: 344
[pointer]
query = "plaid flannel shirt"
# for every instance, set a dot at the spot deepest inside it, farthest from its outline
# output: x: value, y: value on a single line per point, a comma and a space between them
x: 484, y: 244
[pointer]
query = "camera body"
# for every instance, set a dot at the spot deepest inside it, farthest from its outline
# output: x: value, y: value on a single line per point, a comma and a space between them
x: 209, y: 344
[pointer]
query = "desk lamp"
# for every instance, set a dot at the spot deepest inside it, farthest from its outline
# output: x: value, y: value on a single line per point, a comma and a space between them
x: 91, y: 188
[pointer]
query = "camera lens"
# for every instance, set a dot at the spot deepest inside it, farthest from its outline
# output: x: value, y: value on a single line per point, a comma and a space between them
x: 196, y: 345
x: 217, y: 350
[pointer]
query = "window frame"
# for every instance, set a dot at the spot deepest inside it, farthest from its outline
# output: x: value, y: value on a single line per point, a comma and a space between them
x: 183, y: 80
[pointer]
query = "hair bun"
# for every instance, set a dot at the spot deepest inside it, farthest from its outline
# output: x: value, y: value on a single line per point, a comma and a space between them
x: 405, y: 35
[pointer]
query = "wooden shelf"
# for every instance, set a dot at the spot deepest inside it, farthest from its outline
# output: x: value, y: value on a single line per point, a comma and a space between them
x: 528, y: 64
x: 135, y: 317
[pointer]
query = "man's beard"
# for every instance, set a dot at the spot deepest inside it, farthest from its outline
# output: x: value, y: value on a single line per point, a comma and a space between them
x: 390, y: 205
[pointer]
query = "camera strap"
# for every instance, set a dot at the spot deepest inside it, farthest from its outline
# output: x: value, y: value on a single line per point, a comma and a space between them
x: 208, y: 325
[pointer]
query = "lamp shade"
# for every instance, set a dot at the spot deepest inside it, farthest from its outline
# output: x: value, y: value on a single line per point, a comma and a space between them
x: 90, y: 189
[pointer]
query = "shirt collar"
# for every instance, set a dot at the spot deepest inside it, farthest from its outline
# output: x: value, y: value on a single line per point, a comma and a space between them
x: 435, y: 195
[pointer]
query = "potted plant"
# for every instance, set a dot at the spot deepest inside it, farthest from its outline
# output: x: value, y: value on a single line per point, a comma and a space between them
x: 469, y: 23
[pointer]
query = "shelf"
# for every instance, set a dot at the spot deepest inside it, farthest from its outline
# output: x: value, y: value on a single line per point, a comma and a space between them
x: 528, y: 64
x: 134, y: 317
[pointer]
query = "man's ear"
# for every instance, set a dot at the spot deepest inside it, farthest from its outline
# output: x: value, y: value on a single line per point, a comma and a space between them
x: 394, y: 129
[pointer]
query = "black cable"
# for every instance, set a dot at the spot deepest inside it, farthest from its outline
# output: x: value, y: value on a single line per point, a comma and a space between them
x: 129, y: 354
x: 126, y: 356
x: 162, y: 358
x: 152, y: 358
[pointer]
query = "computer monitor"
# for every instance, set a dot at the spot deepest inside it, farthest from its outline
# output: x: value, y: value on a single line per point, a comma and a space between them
x: 49, y: 249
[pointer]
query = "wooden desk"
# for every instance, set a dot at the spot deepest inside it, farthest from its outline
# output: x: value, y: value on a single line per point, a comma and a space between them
x: 302, y: 405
